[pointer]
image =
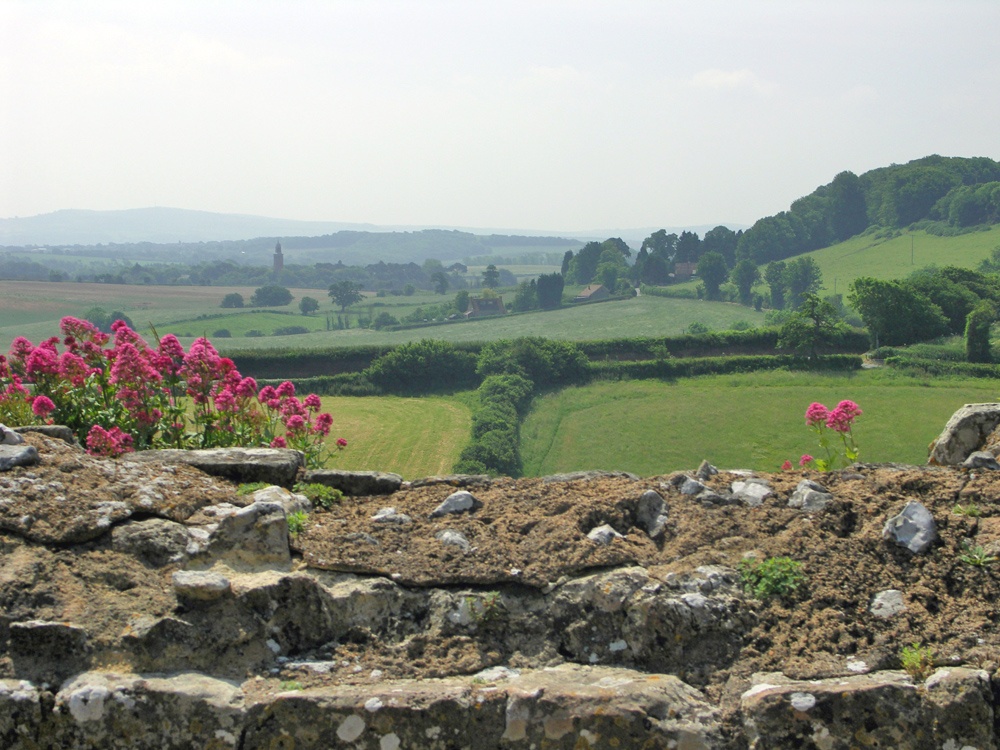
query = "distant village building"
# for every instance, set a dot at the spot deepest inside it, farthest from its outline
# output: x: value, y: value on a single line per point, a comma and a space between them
x: 279, y: 259
x: 684, y: 271
x: 593, y: 293
x: 480, y: 308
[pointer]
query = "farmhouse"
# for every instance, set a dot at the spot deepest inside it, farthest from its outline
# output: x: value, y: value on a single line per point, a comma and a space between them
x: 593, y: 293
x: 480, y: 307
x: 684, y: 271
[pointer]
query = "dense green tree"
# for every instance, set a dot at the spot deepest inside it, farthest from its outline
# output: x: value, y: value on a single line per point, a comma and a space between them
x: 103, y: 319
x: 491, y: 277
x: 803, y: 277
x: 848, y: 212
x: 955, y: 300
x: 721, y: 240
x: 308, y: 305
x: 462, y: 301
x: 744, y: 275
x: 777, y: 282
x: 611, y: 267
x: 564, y: 268
x: 977, y: 332
x: 345, y: 293
x: 689, y: 248
x: 894, y: 313
x: 812, y: 327
x: 549, y: 290
x: 712, y: 272
x: 526, y: 296
x: 617, y: 243
x: 440, y: 281
x: 271, y: 295
x: 660, y: 243
x: 583, y: 267
x: 233, y: 299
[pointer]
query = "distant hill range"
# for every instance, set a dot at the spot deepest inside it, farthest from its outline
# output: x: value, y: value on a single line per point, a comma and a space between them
x: 181, y: 226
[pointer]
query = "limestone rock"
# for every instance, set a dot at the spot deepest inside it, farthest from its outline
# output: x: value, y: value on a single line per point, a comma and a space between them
x: 48, y: 651
x: 17, y: 455
x: 55, y: 431
x: 810, y: 497
x: 155, y: 541
x: 884, y: 708
x: 705, y: 471
x: 652, y: 513
x: 243, y: 465
x: 355, y: 483
x: 9, y: 436
x: 914, y: 528
x: 391, y: 517
x: 981, y: 460
x: 604, y: 534
x: 577, y: 476
x: 457, y: 502
x: 200, y: 586
x: 290, y: 501
x: 454, y: 480
x: 965, y: 433
x: 453, y: 539
x: 887, y: 604
x: 752, y: 491
x: 254, y: 535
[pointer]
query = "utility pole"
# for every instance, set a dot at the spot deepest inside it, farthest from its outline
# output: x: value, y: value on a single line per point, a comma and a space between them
x: 911, y: 249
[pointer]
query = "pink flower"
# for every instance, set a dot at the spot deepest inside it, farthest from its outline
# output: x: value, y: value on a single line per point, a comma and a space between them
x: 42, y: 406
x: 840, y: 419
x: 787, y: 466
x: 816, y: 414
x: 341, y: 443
x: 225, y: 400
x: 246, y: 388
x: 286, y: 389
x: 42, y: 361
x: 295, y: 423
x: 323, y: 424
x: 279, y: 442
x: 267, y: 393
x: 110, y: 443
x: 312, y: 402
x: 806, y: 459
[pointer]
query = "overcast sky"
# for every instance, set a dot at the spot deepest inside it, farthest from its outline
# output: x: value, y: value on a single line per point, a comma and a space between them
x: 528, y: 114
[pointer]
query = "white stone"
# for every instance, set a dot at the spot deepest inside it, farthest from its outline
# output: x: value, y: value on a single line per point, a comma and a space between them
x: 351, y: 728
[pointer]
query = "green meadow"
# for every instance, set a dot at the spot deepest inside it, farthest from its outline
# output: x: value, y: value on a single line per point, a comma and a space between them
x: 753, y: 421
x: 413, y: 437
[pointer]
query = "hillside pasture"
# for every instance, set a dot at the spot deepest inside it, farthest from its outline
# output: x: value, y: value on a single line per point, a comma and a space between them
x: 413, y: 437
x: 752, y: 421
x: 33, y: 310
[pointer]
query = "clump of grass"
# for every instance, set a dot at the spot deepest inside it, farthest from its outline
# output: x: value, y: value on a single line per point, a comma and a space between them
x: 917, y: 660
x: 319, y: 495
x: 976, y: 555
x: 248, y: 488
x: 971, y: 510
x: 292, y: 685
x: 774, y: 577
x: 297, y: 522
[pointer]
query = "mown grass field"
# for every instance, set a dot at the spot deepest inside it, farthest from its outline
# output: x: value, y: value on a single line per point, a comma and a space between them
x: 753, y: 421
x: 414, y: 437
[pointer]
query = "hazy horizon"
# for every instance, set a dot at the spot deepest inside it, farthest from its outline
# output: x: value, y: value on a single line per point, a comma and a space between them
x: 548, y: 115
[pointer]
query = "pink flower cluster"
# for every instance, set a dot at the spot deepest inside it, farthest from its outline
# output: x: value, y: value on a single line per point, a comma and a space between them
x: 134, y: 396
x: 108, y: 443
x: 838, y: 420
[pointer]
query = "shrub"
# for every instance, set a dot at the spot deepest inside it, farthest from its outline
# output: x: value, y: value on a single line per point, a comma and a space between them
x: 233, y: 299
x: 917, y: 660
x: 320, y: 495
x: 774, y: 577
x: 297, y: 522
x: 222, y: 333
x: 423, y: 366
x: 542, y: 361
x: 290, y: 330
x: 248, y: 488
x: 253, y: 333
x: 271, y: 295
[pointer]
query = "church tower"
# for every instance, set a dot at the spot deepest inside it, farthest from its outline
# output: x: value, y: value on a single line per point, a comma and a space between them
x: 279, y: 259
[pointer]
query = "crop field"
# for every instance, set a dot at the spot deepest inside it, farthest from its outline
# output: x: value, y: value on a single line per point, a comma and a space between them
x: 413, y: 437
x: 753, y: 421
x: 33, y: 310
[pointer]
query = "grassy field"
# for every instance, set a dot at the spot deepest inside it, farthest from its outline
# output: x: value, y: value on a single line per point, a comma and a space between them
x: 33, y: 309
x: 414, y: 437
x: 749, y: 421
